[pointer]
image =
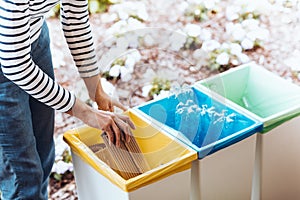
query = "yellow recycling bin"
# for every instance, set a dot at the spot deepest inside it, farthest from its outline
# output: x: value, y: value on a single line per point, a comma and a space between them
x: 169, y: 164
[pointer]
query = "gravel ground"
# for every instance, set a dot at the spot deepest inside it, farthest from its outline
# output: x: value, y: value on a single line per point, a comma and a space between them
x: 281, y: 55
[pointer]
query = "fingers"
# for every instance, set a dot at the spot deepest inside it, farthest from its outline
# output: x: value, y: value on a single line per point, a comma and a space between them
x: 109, y: 105
x: 118, y: 128
x: 116, y: 132
x: 106, y: 106
x: 118, y: 104
x: 126, y: 132
x: 127, y: 120
x: 111, y: 136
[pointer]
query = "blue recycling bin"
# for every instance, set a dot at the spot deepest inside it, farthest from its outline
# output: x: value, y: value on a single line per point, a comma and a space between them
x: 223, y: 137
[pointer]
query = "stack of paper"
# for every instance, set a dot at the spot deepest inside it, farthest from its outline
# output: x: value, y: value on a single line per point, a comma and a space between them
x: 127, y: 160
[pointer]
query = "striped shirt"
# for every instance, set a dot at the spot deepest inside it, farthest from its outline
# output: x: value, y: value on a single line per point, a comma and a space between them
x: 20, y: 26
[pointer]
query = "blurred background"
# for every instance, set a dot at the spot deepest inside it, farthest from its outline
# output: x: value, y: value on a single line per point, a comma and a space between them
x: 145, y: 48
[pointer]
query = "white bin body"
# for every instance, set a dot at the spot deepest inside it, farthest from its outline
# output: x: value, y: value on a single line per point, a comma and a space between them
x: 226, y: 174
x: 91, y: 185
x: 280, y: 162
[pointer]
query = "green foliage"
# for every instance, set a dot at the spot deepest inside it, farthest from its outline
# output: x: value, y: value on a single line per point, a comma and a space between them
x: 66, y: 156
x: 192, y: 43
x: 159, y: 84
x: 248, y: 14
x: 57, y: 176
x: 200, y: 12
x: 95, y: 6
x: 62, y: 165
x: 98, y: 6
x: 107, y: 76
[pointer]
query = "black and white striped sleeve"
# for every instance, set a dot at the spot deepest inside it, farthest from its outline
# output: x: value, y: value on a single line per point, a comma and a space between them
x: 77, y: 31
x: 16, y: 62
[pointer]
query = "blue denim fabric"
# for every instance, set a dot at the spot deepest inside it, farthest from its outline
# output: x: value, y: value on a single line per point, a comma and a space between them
x: 26, y: 134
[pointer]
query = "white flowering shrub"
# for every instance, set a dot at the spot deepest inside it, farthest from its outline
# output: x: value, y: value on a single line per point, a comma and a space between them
x: 244, y: 24
x: 130, y: 9
x: 123, y: 67
x: 241, y: 12
x: 243, y: 32
x: 195, y: 35
x: 158, y: 88
x: 63, y: 160
x: 201, y: 10
x: 122, y: 26
x: 248, y: 33
x: 94, y: 6
x: 216, y: 56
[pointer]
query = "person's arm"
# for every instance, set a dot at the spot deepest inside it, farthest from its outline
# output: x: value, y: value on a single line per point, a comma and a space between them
x: 117, y: 126
x: 16, y: 62
x: 78, y: 34
x: 96, y: 93
x: 18, y: 66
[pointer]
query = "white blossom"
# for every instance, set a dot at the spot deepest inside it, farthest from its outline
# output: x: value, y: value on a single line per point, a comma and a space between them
x: 232, y: 12
x: 133, y: 39
x: 130, y: 9
x: 131, y: 59
x: 115, y: 1
x: 134, y: 24
x: 109, y: 88
x: 243, y: 58
x: 234, y: 61
x: 115, y: 70
x: 61, y: 167
x: 60, y: 146
x: 125, y: 74
x: 235, y: 49
x: 162, y: 94
x: 229, y: 27
x: 122, y: 43
x: 124, y: 26
x: 148, y: 40
x: 129, y: 63
x: 210, y: 45
x: 182, y: 6
x: 205, y: 34
x: 225, y: 46
x: 223, y: 59
x: 177, y: 40
x: 250, y: 24
x: 259, y: 34
x: 108, y: 17
x: 247, y: 44
x: 136, y: 55
x: 293, y: 61
x: 238, y: 32
x: 209, y: 4
x: 93, y: 6
x: 145, y: 90
x: 261, y: 6
x: 192, y: 30
x: 197, y: 54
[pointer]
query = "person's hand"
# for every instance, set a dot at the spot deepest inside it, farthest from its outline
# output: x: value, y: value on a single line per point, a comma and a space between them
x: 97, y: 94
x: 105, y: 102
x: 117, y: 126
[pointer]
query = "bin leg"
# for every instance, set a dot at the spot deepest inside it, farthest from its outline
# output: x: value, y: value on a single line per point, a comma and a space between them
x: 195, y: 181
x: 280, y: 171
x: 256, y: 181
x: 226, y: 174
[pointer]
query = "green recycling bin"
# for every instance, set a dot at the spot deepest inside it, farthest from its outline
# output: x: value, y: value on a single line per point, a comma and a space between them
x: 275, y: 102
